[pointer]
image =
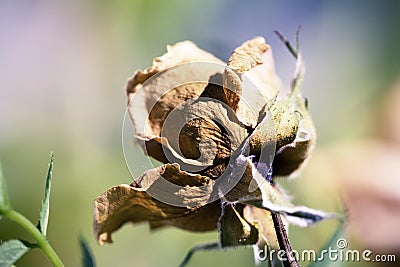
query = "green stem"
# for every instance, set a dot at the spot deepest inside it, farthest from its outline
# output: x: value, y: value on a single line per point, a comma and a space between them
x: 37, y: 235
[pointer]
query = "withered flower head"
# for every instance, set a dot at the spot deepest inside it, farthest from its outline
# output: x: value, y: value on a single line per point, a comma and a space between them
x: 223, y: 133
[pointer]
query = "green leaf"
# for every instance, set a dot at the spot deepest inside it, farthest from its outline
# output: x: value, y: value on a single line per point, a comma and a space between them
x: 4, y: 201
x: 332, y: 243
x: 44, y: 211
x: 11, y: 251
x: 87, y: 256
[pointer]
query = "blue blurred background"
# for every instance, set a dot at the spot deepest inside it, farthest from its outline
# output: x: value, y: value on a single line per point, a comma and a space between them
x: 63, y: 68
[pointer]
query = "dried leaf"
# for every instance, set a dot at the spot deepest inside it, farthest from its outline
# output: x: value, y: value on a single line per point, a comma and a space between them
x: 279, y: 130
x: 261, y: 219
x: 274, y: 200
x: 292, y: 156
x: 233, y: 229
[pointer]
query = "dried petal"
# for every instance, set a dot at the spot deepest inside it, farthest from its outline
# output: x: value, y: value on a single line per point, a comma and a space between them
x: 250, y: 80
x: 242, y: 188
x: 132, y: 203
x: 294, y: 131
x: 182, y: 52
x: 208, y: 132
x: 124, y: 203
x: 151, y: 103
x: 199, y: 220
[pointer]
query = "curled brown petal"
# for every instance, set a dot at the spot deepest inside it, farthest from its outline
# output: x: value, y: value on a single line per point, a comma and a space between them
x: 248, y: 55
x: 153, y: 102
x: 250, y: 80
x: 242, y: 188
x: 211, y: 131
x: 200, y: 220
x: 131, y: 203
x: 182, y: 52
x: 156, y: 104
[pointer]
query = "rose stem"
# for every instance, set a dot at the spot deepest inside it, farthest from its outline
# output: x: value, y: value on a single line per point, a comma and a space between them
x: 283, y: 241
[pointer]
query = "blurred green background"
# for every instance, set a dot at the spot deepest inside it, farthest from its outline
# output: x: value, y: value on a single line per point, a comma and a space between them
x: 63, y: 68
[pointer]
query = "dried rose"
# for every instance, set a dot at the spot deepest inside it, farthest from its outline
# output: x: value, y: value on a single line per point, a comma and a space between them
x: 222, y: 138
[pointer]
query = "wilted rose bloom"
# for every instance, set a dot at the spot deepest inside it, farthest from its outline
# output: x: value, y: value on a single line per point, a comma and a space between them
x: 235, y: 125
